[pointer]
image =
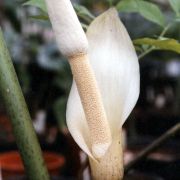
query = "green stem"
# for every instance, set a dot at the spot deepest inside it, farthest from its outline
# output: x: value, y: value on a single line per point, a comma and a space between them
x: 165, y: 30
x: 21, y: 122
x: 145, y: 52
x: 150, y: 49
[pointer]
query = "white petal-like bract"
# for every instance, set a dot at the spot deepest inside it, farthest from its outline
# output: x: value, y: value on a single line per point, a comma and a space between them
x: 70, y: 36
x: 115, y: 63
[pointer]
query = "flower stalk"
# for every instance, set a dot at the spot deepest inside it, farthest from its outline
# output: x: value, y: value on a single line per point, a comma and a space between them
x: 16, y: 108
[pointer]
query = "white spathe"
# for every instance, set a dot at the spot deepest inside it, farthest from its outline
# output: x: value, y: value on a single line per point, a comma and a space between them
x: 115, y: 64
x: 70, y: 36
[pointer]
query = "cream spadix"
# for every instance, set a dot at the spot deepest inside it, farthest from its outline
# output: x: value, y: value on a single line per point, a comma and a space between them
x: 72, y: 43
x: 70, y: 36
x: 116, y: 68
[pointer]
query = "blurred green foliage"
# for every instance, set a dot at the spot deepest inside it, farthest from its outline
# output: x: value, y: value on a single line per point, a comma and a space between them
x: 37, y: 3
x: 148, y: 10
x: 175, y: 4
x: 163, y: 44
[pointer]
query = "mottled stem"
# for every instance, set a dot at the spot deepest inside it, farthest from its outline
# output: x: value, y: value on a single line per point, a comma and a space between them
x: 16, y: 108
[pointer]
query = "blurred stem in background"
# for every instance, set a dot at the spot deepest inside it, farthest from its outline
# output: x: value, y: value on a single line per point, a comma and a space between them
x: 151, y: 48
x: 21, y: 122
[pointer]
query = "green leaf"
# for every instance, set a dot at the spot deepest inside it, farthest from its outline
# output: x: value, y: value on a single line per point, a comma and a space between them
x: 148, y: 10
x: 40, y: 17
x: 83, y: 12
x: 175, y: 4
x: 164, y: 44
x: 37, y: 3
x: 177, y: 19
x: 110, y: 2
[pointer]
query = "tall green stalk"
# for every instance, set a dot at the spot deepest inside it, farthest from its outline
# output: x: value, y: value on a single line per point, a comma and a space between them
x: 21, y: 122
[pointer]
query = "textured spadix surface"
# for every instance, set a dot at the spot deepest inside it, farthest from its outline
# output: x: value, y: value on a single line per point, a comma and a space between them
x: 70, y: 36
x: 116, y: 68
